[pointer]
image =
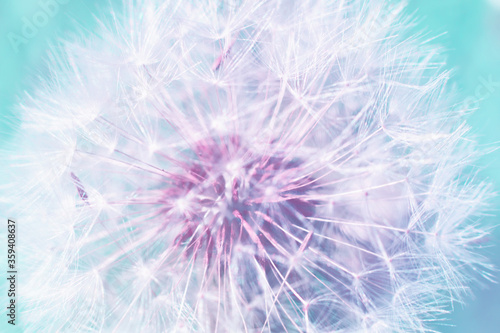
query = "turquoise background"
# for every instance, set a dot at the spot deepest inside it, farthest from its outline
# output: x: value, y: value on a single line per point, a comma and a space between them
x: 472, y: 44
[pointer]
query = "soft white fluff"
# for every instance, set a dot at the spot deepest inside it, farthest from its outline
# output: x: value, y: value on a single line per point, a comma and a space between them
x: 244, y: 166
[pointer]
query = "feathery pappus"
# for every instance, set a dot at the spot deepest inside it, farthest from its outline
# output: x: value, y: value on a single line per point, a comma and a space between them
x: 246, y: 166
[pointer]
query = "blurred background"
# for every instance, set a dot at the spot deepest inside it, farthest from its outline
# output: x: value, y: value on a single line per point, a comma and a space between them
x: 470, y: 34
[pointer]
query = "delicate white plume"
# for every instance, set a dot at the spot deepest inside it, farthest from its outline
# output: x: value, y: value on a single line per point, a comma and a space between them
x: 245, y: 166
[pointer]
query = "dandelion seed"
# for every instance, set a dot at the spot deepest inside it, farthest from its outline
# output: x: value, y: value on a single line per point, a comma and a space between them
x: 246, y: 166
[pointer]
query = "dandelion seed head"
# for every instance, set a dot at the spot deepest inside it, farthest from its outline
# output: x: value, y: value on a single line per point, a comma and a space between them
x: 246, y: 166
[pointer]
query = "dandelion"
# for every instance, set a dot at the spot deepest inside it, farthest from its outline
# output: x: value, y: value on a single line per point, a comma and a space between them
x: 245, y: 166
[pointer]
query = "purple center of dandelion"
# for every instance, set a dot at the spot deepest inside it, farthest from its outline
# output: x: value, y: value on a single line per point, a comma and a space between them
x: 231, y: 195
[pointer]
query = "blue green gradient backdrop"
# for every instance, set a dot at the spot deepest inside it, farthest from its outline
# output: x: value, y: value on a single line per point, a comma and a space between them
x: 472, y: 44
